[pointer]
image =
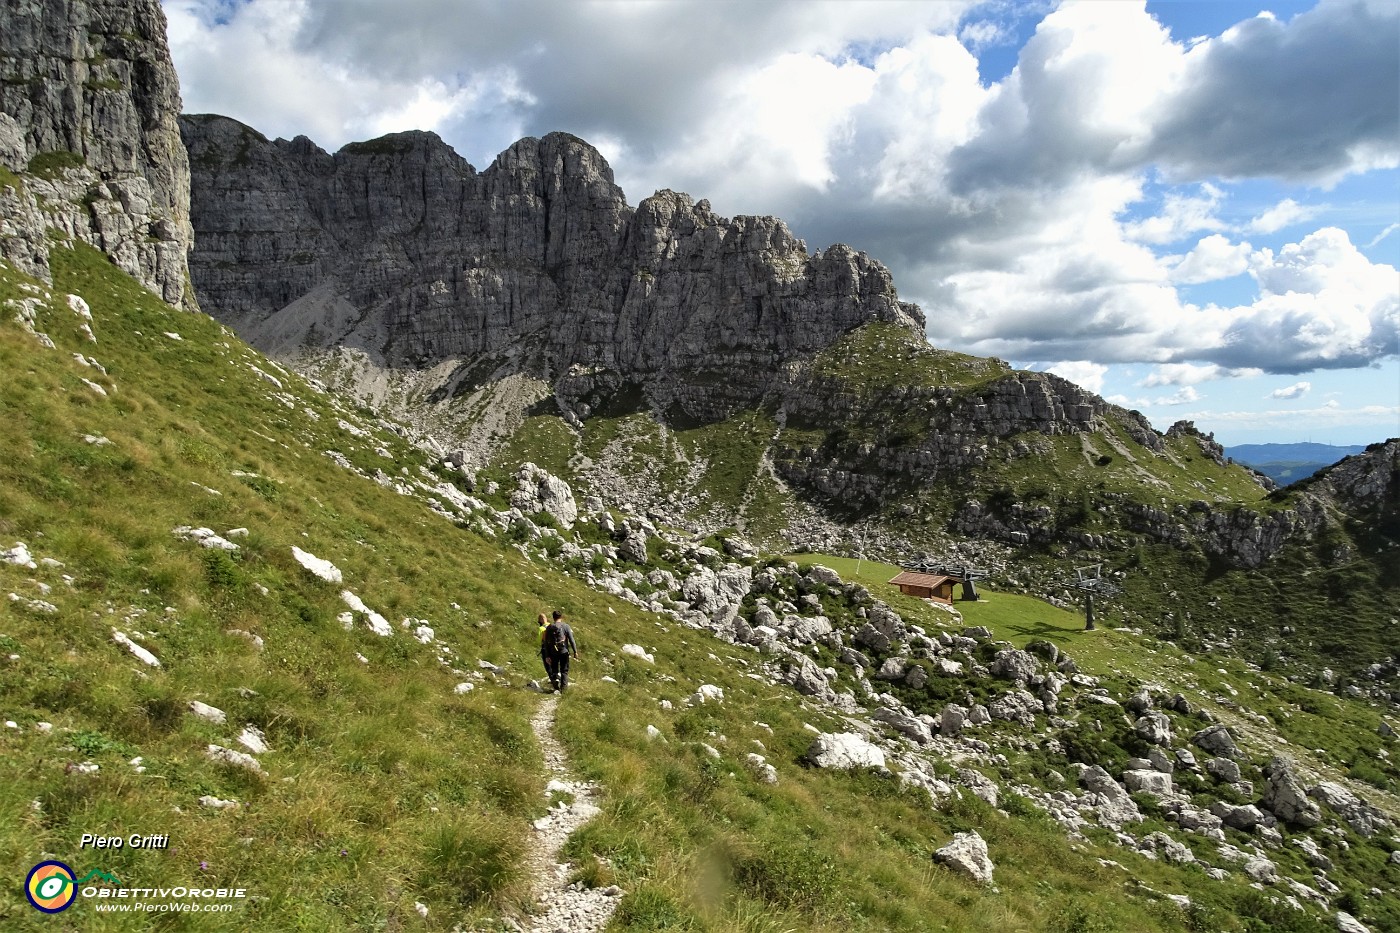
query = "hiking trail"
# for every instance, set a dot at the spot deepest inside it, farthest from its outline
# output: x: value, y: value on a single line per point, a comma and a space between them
x: 564, y: 908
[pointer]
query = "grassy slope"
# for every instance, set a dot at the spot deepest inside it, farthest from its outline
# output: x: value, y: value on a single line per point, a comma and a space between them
x: 384, y: 787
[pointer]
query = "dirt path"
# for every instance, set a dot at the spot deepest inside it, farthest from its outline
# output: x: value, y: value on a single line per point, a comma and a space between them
x: 561, y: 907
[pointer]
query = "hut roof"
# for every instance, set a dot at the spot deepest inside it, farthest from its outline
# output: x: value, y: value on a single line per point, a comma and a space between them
x: 913, y: 578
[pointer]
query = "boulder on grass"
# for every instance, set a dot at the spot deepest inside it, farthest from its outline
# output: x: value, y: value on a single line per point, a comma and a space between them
x: 967, y: 853
x: 844, y: 750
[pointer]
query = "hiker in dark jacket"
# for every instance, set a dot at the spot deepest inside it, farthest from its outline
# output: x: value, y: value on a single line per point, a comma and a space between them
x: 557, y: 645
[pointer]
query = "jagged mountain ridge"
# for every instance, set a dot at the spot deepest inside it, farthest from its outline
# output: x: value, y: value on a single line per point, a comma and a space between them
x: 401, y: 250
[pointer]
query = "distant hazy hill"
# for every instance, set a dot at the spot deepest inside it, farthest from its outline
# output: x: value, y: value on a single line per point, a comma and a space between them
x: 1288, y: 463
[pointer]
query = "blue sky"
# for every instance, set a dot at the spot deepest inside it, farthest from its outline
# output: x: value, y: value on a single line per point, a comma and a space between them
x: 1188, y: 207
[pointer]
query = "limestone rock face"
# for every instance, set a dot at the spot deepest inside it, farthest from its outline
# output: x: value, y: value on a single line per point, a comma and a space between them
x: 1286, y: 798
x: 1363, y: 817
x: 1218, y: 741
x: 1014, y: 665
x: 1108, y: 796
x: 844, y: 750
x: 400, y: 249
x: 967, y: 853
x: 1155, y: 728
x: 94, y: 101
x: 907, y: 725
x: 1151, y: 782
x: 540, y: 491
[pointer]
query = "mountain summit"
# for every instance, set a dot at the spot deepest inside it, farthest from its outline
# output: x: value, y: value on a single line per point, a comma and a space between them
x: 399, y: 249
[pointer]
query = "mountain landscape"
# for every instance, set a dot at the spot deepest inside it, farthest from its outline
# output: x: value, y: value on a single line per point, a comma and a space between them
x: 299, y: 444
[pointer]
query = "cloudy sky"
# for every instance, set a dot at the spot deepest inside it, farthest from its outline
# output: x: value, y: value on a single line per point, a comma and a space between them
x: 1192, y: 208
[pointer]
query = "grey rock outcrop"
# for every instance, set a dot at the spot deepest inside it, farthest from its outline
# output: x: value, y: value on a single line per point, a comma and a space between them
x: 538, y: 490
x: 1218, y: 741
x: 1363, y: 817
x: 398, y: 248
x: 1017, y: 706
x: 844, y: 750
x: 1155, y: 728
x: 1346, y: 923
x: 808, y: 679
x: 94, y: 100
x: 952, y: 720
x: 967, y: 853
x: 1285, y: 797
x: 1149, y: 782
x: 911, y: 727
x: 1114, y: 805
x: 1243, y: 818
x: 1167, y: 848
x: 1014, y: 665
x: 1223, y: 769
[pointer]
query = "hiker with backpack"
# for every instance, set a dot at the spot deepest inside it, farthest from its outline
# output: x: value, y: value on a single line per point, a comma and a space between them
x: 556, y: 646
x: 545, y: 656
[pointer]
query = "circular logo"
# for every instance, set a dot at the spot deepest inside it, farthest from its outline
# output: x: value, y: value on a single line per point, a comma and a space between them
x: 50, y: 887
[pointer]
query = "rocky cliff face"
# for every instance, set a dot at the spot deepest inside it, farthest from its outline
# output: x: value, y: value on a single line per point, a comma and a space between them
x: 88, y: 107
x: 400, y: 250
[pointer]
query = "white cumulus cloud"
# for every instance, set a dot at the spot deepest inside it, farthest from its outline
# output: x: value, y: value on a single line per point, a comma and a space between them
x: 1297, y: 390
x: 1084, y: 373
x: 1213, y: 258
x: 1285, y: 213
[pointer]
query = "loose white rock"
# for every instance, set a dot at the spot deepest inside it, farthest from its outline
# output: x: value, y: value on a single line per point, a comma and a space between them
x: 844, y: 750
x: 706, y: 694
x: 206, y: 712
x: 252, y: 738
x: 967, y: 853
x: 141, y: 653
x: 204, y: 536
x: 256, y: 640
x: 637, y: 651
x: 19, y: 556
x: 1346, y: 923
x: 321, y: 568
x: 228, y: 756
x: 377, y: 623
x: 209, y: 800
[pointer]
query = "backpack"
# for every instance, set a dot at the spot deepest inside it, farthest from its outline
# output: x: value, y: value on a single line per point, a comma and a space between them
x: 554, y: 641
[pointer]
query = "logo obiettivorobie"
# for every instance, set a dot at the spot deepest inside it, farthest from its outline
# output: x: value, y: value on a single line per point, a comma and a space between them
x: 51, y: 887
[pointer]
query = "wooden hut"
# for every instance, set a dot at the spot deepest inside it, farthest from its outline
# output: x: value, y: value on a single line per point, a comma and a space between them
x: 934, y: 586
